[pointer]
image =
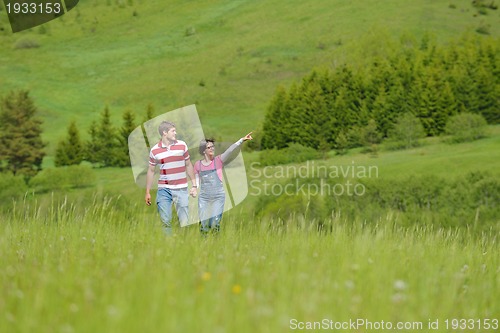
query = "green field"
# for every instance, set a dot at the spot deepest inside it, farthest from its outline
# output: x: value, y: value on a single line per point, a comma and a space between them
x: 103, y: 272
x: 225, y: 56
x: 95, y: 259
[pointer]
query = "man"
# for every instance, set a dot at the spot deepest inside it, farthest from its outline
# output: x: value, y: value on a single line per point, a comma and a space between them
x: 173, y: 157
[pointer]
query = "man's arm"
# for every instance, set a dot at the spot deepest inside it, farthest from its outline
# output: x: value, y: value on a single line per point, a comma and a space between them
x: 190, y: 173
x: 149, y: 182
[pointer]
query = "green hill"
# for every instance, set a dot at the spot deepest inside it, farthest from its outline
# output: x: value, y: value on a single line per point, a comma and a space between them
x: 227, y: 57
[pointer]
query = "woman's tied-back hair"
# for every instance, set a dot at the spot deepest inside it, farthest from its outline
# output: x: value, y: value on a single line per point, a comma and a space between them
x: 203, y: 145
x: 165, y: 126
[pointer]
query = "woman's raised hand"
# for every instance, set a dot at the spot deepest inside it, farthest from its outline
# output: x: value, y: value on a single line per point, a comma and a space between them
x: 248, y: 137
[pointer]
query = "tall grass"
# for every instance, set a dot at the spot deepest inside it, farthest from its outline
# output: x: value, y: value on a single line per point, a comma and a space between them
x: 101, y: 269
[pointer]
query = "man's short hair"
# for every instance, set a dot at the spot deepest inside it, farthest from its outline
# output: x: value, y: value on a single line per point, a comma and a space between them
x: 165, y: 126
x: 203, y: 145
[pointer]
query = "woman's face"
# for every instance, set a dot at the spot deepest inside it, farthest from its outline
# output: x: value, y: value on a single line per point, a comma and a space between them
x: 209, y: 150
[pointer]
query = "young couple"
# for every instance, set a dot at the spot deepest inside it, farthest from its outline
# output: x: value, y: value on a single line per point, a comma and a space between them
x: 175, y: 166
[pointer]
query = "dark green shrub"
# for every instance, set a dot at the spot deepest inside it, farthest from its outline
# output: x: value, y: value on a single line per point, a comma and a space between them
x: 370, y: 137
x: 26, y: 43
x: 484, y: 29
x: 49, y: 179
x: 295, y: 153
x: 341, y: 144
x: 80, y: 176
x: 12, y: 187
x: 486, y: 192
x: 54, y: 179
x: 406, y: 133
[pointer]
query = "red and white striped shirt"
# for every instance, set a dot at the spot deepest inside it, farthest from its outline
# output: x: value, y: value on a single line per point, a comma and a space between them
x: 172, y: 161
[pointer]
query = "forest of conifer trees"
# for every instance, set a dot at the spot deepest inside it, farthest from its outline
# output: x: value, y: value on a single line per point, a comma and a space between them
x: 428, y: 81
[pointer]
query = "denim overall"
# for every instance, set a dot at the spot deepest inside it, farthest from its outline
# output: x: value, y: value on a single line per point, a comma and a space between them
x: 211, y: 200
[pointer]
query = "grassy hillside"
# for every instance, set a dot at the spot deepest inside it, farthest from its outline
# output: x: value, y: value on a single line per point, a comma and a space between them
x: 435, y: 157
x: 95, y: 259
x: 226, y: 56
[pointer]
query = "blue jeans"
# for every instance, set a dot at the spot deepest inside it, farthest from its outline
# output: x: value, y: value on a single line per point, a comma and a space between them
x: 164, y: 200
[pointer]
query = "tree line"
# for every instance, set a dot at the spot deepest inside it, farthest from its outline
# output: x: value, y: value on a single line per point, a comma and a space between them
x: 329, y: 109
x: 22, y: 149
x: 107, y: 145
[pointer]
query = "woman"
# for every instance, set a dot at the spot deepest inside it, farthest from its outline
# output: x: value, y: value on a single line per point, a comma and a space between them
x: 208, y: 173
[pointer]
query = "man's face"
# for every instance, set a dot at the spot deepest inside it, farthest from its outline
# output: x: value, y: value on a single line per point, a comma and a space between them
x: 171, y: 134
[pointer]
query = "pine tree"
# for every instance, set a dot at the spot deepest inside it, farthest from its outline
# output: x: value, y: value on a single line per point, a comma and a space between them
x: 314, y: 115
x: 102, y: 147
x: 108, y: 140
x: 371, y: 137
x: 380, y: 112
x: 293, y: 115
x: 92, y: 145
x: 122, y: 155
x: 70, y: 150
x: 465, y: 88
x: 150, y: 112
x: 21, y: 146
x: 488, y: 96
x: 349, y: 105
x: 446, y: 107
x: 276, y: 122
x: 341, y: 144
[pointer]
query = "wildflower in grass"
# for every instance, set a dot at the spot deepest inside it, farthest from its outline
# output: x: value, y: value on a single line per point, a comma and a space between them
x: 398, y: 298
x: 10, y: 317
x: 236, y: 289
x: 465, y: 288
x: 113, y: 311
x: 400, y: 285
x: 206, y: 276
x: 349, y: 284
x: 74, y: 308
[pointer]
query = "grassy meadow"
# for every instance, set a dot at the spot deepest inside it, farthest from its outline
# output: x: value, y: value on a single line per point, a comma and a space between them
x: 96, y: 259
x: 103, y: 272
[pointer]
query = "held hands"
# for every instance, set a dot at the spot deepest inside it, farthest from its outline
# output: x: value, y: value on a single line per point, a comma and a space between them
x: 192, y: 192
x: 247, y: 137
